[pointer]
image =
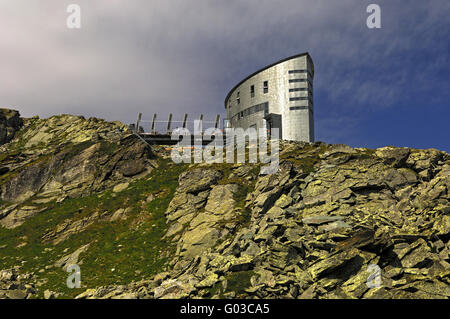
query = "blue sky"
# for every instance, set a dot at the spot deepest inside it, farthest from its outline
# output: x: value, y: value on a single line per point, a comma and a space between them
x: 373, y: 87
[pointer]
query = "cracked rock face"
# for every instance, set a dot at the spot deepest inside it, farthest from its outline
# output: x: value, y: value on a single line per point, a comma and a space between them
x: 65, y: 157
x: 315, y: 229
x: 316, y: 234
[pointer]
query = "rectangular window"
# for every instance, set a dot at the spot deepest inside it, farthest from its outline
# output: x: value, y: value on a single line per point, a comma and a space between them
x: 266, y: 87
x: 253, y: 109
x: 302, y: 98
x: 300, y: 71
x: 238, y: 99
x: 297, y: 71
x: 297, y: 80
x: 298, y: 89
x: 296, y: 108
x: 252, y: 91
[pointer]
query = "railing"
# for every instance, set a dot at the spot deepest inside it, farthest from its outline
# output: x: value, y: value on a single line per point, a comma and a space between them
x: 156, y: 127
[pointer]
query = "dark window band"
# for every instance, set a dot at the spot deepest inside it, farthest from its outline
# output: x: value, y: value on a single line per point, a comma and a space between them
x: 251, y: 110
x: 298, y: 89
x: 295, y: 108
x: 297, y: 80
x: 297, y: 71
x: 300, y: 71
x: 300, y: 98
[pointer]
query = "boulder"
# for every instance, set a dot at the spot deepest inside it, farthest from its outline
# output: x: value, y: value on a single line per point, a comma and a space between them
x: 71, y: 259
x: 197, y: 180
x: 10, y: 123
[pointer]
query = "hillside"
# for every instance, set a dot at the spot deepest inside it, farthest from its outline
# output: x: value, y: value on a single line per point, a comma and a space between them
x: 88, y: 192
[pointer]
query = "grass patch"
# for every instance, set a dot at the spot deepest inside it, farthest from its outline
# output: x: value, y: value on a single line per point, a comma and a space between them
x: 75, y: 149
x: 120, y: 252
x: 18, y: 142
x: 365, y: 154
x: 306, y: 157
x: 237, y: 282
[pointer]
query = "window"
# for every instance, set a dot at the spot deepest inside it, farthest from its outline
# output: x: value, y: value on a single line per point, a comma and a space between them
x: 302, y: 98
x: 300, y: 71
x: 300, y: 80
x: 296, y: 108
x: 297, y: 80
x: 252, y: 91
x: 298, y: 89
x: 263, y: 107
x: 238, y: 99
x: 297, y: 71
x: 266, y: 87
x: 302, y: 90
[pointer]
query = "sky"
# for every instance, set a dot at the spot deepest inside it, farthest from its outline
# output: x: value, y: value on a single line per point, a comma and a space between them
x: 372, y: 87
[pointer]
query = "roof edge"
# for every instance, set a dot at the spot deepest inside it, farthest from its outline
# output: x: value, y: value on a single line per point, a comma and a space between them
x: 263, y: 69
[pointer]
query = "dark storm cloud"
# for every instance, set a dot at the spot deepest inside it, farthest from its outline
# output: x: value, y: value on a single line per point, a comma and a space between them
x: 183, y: 56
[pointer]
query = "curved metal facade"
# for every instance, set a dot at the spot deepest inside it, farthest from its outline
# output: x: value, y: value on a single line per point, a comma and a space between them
x: 279, y: 95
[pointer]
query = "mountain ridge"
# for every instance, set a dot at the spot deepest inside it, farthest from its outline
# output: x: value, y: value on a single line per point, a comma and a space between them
x: 89, y: 192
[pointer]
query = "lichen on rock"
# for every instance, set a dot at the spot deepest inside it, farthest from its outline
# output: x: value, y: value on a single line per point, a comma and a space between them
x: 75, y: 189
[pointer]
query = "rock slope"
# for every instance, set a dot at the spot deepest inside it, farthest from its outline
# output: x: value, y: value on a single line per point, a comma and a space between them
x: 62, y: 157
x: 315, y: 228
x: 141, y: 226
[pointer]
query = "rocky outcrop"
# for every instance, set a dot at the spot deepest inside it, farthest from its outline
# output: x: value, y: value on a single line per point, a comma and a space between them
x: 71, y: 259
x: 67, y: 157
x: 10, y: 123
x: 72, y: 173
x: 333, y: 222
x: 319, y: 228
x: 198, y: 207
x: 13, y: 284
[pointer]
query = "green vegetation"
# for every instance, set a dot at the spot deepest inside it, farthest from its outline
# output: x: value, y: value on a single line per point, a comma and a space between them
x: 237, y: 282
x: 18, y: 143
x: 119, y: 252
x: 108, y: 148
x: 366, y: 153
x: 245, y: 187
x: 307, y: 158
x: 75, y: 149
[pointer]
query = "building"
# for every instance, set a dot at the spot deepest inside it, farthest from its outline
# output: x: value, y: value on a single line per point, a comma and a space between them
x: 279, y: 95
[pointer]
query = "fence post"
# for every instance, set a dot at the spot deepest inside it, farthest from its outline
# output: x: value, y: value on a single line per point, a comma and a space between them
x: 138, y: 122
x: 200, y: 123
x: 184, y: 121
x: 153, y: 124
x: 168, y: 123
x: 217, y: 121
